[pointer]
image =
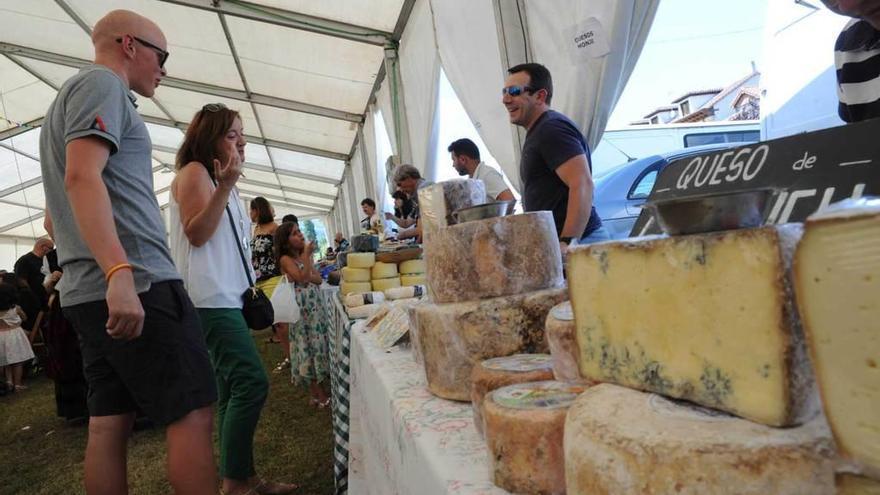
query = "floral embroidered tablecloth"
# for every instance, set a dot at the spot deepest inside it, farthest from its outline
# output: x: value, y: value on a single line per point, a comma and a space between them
x: 402, y: 439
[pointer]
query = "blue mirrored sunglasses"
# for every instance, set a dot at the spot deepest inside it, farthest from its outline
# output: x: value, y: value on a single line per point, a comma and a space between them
x: 516, y: 90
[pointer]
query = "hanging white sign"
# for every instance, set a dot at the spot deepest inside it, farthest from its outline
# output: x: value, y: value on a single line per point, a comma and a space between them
x: 587, y: 40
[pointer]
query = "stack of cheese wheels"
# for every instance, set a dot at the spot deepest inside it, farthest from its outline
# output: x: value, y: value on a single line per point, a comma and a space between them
x: 620, y: 441
x: 500, y: 372
x: 384, y: 276
x: 837, y: 272
x: 356, y: 275
x: 524, y: 434
x: 708, y: 318
x: 412, y: 273
x: 453, y: 338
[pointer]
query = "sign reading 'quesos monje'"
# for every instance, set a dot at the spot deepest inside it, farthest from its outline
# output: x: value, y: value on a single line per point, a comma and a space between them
x: 811, y: 170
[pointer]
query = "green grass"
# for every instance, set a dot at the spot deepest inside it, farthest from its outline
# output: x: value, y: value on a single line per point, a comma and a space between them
x: 39, y: 454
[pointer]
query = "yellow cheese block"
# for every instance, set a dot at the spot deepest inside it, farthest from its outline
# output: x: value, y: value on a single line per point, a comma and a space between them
x: 620, y: 441
x: 361, y: 260
x: 410, y: 267
x: 383, y: 270
x: 383, y: 284
x: 707, y: 318
x: 851, y: 484
x: 412, y: 280
x: 837, y: 272
x: 350, y: 274
x: 346, y: 288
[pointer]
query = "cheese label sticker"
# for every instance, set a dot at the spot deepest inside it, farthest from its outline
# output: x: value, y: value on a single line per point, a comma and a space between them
x: 521, y: 363
x: 537, y: 395
x: 563, y: 312
x: 681, y: 409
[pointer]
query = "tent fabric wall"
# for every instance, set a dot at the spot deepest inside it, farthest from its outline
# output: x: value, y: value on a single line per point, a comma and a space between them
x: 420, y: 71
x: 471, y: 58
x: 587, y: 91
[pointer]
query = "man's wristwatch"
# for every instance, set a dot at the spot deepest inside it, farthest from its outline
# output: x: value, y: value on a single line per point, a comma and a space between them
x: 565, y: 239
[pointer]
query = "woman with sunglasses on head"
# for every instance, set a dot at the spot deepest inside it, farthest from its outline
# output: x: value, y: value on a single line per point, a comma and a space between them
x: 209, y: 233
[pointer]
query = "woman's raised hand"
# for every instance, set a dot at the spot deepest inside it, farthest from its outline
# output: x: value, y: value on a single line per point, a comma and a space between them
x: 227, y: 174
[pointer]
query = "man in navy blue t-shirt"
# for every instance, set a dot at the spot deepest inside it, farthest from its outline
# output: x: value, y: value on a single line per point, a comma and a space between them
x: 555, y: 164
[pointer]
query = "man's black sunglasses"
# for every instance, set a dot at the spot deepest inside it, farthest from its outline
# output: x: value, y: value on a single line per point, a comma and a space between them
x: 163, y: 54
x: 517, y: 90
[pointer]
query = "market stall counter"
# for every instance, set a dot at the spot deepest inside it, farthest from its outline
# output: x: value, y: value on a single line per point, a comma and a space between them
x: 402, y: 438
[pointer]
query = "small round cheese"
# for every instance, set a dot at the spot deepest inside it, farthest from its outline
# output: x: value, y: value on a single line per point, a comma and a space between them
x: 346, y: 288
x: 383, y: 284
x: 383, y: 270
x: 350, y: 274
x: 499, y: 372
x: 524, y: 431
x: 411, y: 267
x: 361, y: 260
x: 622, y: 441
x: 412, y: 280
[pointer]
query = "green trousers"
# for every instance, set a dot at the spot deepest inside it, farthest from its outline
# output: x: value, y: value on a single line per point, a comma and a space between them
x: 242, y: 387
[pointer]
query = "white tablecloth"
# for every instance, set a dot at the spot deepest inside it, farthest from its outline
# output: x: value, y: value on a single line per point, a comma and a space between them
x: 403, y: 440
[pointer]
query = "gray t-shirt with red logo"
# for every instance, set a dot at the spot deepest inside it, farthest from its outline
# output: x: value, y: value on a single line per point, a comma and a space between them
x: 96, y: 102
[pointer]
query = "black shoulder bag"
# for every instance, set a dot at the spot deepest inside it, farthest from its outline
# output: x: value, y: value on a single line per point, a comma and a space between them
x: 256, y: 307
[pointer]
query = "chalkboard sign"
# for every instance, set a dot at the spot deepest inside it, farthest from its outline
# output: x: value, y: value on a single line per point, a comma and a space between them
x: 811, y: 169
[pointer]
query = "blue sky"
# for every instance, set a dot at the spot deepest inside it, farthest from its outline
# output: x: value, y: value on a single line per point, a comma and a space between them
x: 693, y: 44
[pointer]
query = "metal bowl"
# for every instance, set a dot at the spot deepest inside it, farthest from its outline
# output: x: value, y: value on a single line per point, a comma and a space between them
x: 724, y: 211
x: 488, y: 210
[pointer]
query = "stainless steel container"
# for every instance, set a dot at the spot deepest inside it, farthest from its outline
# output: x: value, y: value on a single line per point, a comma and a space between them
x: 724, y: 211
x: 488, y: 210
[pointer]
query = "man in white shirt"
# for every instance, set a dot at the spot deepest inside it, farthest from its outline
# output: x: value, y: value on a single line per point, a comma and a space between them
x: 466, y: 160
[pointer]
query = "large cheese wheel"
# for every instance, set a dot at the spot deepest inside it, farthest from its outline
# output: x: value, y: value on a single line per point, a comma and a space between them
x: 411, y: 267
x: 346, y: 288
x: 620, y: 441
x: 438, y: 201
x: 524, y: 434
x: 560, y: 329
x: 708, y: 318
x: 412, y: 280
x: 851, y: 484
x: 415, y: 342
x: 405, y: 292
x: 499, y: 372
x: 361, y: 260
x: 494, y: 257
x: 383, y: 284
x: 383, y: 270
x: 350, y: 274
x: 359, y: 299
x: 837, y: 272
x: 365, y: 311
x: 455, y: 337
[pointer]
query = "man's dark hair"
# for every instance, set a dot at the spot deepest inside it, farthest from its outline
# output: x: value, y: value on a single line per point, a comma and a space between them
x: 466, y: 147
x: 539, y: 77
x: 369, y: 202
x: 8, y: 296
x: 290, y: 217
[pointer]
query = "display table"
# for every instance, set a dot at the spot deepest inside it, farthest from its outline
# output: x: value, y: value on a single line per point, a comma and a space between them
x: 403, y: 440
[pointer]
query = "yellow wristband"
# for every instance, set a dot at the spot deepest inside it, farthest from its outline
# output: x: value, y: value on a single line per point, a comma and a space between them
x: 116, y: 268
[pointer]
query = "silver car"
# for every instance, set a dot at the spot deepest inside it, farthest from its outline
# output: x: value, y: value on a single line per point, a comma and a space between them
x: 621, y: 191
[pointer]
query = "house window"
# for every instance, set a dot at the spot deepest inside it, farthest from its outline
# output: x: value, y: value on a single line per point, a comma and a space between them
x: 685, y: 107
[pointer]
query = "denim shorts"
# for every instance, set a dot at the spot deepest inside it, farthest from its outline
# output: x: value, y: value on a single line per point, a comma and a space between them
x: 165, y: 373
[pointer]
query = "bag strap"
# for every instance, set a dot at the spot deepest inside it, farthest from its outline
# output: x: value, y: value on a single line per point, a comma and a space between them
x: 244, y: 264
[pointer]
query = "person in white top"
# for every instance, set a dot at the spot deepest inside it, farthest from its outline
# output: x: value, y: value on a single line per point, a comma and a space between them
x: 466, y: 160
x: 205, y: 246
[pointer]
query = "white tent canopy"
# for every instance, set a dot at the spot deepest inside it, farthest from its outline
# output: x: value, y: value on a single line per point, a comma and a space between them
x: 309, y: 79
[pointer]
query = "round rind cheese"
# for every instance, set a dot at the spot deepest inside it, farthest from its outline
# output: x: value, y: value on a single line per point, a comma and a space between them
x: 361, y: 260
x: 383, y: 284
x: 499, y: 372
x: 410, y: 267
x: 561, y: 329
x: 383, y: 270
x: 346, y: 288
x: 412, y: 280
x: 622, y: 441
x: 406, y: 292
x: 350, y: 274
x: 524, y: 435
x: 494, y: 257
x: 456, y: 337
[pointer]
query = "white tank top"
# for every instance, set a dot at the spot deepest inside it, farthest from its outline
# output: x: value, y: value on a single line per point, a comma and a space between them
x: 213, y: 273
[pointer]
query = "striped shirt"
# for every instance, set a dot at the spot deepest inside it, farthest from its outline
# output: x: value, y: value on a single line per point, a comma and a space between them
x: 857, y: 60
